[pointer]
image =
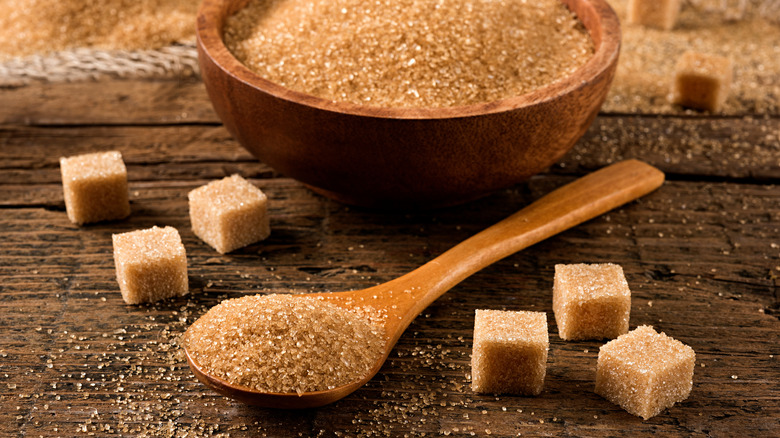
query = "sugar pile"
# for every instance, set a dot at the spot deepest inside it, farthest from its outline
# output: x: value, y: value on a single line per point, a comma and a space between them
x: 409, y: 53
x: 283, y: 343
x: 41, y: 26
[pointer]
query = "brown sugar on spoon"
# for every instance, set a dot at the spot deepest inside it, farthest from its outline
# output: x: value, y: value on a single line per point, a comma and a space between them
x: 284, y: 344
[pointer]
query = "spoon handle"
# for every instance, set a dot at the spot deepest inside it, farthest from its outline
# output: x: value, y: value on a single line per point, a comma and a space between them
x: 570, y: 205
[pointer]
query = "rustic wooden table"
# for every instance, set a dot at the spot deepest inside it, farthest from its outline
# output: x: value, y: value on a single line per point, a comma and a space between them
x: 701, y: 254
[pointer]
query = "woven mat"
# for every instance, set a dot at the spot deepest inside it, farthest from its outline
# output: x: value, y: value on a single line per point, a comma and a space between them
x: 179, y: 60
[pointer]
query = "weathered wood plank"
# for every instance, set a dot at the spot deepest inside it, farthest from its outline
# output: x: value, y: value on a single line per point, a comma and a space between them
x: 702, y: 256
x: 110, y: 102
x: 740, y: 148
x: 702, y: 259
x: 743, y: 149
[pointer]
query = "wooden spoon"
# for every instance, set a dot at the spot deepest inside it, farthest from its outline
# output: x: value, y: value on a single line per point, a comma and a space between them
x: 405, y: 297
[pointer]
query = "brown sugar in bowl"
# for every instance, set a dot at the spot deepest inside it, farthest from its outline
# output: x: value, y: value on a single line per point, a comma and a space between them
x: 406, y: 157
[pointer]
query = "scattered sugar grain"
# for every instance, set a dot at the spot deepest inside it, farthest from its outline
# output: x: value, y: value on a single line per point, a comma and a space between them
x: 281, y: 343
x: 95, y: 187
x: 409, y: 53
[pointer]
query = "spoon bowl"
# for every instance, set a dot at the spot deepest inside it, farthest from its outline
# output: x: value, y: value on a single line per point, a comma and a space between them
x: 402, y: 299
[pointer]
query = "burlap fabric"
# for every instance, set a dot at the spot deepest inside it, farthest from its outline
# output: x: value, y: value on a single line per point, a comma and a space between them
x: 179, y: 60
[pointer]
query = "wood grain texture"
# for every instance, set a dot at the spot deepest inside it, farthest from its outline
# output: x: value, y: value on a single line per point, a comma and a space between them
x: 701, y: 255
x: 108, y: 102
x: 708, y: 276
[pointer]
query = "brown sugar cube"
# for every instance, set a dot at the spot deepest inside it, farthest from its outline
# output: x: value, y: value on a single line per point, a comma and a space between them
x: 591, y: 301
x: 702, y: 81
x: 645, y: 372
x: 510, y: 352
x: 95, y: 187
x: 660, y: 14
x: 151, y: 265
x: 229, y: 214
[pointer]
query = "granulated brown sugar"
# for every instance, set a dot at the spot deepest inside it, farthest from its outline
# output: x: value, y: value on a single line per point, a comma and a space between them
x: 282, y: 343
x: 40, y: 26
x: 409, y: 53
x: 747, y: 34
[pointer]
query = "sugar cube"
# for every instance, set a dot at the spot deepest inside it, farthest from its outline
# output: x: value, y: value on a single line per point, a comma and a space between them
x: 510, y: 352
x: 229, y: 214
x: 645, y: 372
x: 95, y: 187
x: 702, y: 81
x: 591, y: 301
x: 151, y: 265
x: 660, y: 14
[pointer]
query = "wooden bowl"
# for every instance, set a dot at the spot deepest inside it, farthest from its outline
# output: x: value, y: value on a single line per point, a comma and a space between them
x: 406, y: 157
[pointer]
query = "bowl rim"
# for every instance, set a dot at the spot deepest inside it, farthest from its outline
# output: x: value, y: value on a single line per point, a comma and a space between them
x: 604, y: 31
